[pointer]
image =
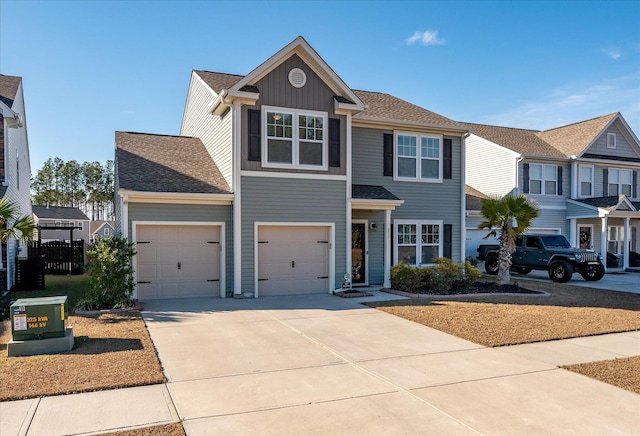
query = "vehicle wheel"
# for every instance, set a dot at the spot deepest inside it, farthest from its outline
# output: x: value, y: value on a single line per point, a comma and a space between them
x: 560, y: 271
x: 594, y: 274
x: 491, y: 265
x: 522, y: 270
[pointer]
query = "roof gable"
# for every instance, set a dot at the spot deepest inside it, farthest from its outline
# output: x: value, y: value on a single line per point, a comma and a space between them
x: 574, y: 139
x: 163, y: 163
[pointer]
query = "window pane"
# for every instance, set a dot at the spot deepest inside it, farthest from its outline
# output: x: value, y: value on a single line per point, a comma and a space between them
x: 535, y: 172
x: 430, y: 234
x: 535, y: 186
x: 407, y: 255
x: 406, y: 167
x: 613, y: 189
x: 550, y: 172
x: 406, y: 145
x: 406, y: 234
x: 310, y: 127
x: 626, y: 189
x: 279, y: 151
x: 626, y: 177
x: 310, y: 153
x: 586, y: 174
x: 550, y: 187
x: 614, y: 176
x: 429, y: 253
x: 279, y: 124
x: 585, y: 189
x: 430, y: 147
x: 430, y: 168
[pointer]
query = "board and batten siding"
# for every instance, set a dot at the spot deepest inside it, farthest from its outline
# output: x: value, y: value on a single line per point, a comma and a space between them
x: 163, y: 213
x: 275, y: 90
x: 213, y: 130
x: 281, y: 200
x: 623, y: 146
x: 483, y: 155
x: 375, y: 243
x: 422, y: 200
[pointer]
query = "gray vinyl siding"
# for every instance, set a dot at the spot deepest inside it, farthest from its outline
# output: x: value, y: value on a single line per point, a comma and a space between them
x: 375, y: 243
x: 624, y: 147
x: 269, y: 199
x: 551, y: 219
x: 275, y: 90
x: 188, y: 212
x: 598, y: 178
x: 213, y: 130
x: 422, y: 201
x: 576, y: 210
x: 548, y: 200
x: 482, y: 155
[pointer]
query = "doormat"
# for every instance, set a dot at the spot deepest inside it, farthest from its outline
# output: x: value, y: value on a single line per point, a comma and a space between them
x: 353, y: 294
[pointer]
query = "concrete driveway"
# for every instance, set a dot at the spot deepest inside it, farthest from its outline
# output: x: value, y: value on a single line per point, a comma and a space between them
x: 320, y: 364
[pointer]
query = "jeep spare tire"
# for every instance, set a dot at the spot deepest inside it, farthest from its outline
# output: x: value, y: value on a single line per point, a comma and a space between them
x: 560, y: 271
x: 491, y: 265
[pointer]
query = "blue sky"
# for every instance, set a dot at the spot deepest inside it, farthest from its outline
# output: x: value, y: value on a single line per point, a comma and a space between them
x: 91, y: 68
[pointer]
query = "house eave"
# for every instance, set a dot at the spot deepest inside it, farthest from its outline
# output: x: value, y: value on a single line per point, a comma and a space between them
x: 365, y: 121
x: 369, y: 204
x: 129, y: 196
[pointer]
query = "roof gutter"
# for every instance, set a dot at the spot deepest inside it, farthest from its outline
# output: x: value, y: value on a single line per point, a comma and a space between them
x: 13, y: 118
x: 409, y: 124
x: 129, y: 196
x: 227, y: 97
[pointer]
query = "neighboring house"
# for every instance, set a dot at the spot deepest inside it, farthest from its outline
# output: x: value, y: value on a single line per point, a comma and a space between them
x: 100, y: 229
x: 584, y: 177
x: 287, y: 181
x: 15, y: 167
x: 61, y: 223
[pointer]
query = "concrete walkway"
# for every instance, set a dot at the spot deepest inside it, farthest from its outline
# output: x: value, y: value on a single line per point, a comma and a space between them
x: 320, y: 364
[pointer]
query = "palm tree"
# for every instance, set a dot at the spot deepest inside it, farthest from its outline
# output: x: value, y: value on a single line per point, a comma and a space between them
x: 507, y: 217
x: 11, y: 224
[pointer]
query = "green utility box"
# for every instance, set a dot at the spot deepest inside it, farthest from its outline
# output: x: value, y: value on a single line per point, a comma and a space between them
x: 38, y: 318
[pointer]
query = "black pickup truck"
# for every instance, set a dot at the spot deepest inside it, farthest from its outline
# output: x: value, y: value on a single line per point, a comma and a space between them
x: 546, y: 252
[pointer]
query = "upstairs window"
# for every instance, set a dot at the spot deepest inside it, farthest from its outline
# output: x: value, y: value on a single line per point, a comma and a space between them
x: 620, y: 182
x: 586, y: 181
x: 543, y: 179
x: 80, y: 226
x: 294, y: 139
x: 611, y: 140
x: 418, y: 157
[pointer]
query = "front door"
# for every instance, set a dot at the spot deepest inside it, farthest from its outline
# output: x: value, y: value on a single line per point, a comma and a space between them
x: 358, y: 253
x: 585, y: 233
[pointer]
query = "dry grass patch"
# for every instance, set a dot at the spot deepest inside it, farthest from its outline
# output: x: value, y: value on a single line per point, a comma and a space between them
x: 493, y: 320
x: 174, y: 429
x: 623, y: 373
x: 111, y: 351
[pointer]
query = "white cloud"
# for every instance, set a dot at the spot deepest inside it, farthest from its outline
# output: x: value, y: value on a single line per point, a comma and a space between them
x: 428, y: 37
x: 613, y: 54
x: 572, y: 104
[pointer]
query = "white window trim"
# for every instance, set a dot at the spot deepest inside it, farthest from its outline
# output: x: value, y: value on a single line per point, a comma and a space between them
x: 611, y: 140
x: 295, y: 141
x: 418, y: 157
x: 543, y: 187
x: 580, y: 167
x: 418, y: 224
x: 620, y: 171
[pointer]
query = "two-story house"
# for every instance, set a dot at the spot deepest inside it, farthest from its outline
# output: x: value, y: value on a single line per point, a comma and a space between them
x: 61, y: 223
x: 287, y: 181
x: 583, y: 176
x: 15, y: 168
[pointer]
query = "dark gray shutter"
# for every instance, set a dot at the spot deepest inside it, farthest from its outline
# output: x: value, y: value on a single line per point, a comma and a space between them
x: 446, y: 158
x: 253, y: 124
x: 559, y: 180
x: 334, y: 142
x: 605, y: 182
x: 446, y: 248
x: 634, y: 188
x: 525, y: 178
x: 388, y: 154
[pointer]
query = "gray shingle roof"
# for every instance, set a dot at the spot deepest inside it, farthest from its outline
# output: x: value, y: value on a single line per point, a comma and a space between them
x: 574, y: 138
x: 162, y: 163
x: 9, y: 88
x: 370, y: 192
x: 59, y: 212
x: 521, y: 141
x: 473, y: 198
x: 218, y: 81
x: 602, y: 202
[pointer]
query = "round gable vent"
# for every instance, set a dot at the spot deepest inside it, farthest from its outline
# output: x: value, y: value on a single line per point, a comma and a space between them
x: 297, y: 78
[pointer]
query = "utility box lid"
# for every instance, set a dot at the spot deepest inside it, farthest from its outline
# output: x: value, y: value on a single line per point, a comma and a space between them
x: 38, y: 318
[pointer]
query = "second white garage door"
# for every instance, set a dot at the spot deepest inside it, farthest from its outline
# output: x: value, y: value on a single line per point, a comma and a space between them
x: 293, y: 260
x: 177, y: 261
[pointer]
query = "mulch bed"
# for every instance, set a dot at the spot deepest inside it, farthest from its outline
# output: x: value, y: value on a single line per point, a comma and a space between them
x: 480, y: 288
x: 353, y: 294
x: 623, y: 373
x: 174, y: 429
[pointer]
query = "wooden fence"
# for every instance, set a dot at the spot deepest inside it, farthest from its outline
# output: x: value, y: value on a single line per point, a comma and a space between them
x: 59, y: 257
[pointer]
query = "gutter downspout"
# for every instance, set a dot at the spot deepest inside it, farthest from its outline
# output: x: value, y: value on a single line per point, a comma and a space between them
x: 463, y: 183
x: 519, y: 159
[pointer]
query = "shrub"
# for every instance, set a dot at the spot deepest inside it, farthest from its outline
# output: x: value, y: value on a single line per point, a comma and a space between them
x: 110, y: 275
x: 440, y: 278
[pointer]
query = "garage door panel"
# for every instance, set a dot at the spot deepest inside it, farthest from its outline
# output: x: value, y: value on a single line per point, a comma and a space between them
x: 291, y: 258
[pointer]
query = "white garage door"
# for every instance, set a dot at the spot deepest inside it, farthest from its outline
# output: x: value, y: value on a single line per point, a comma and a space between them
x: 177, y: 261
x: 293, y: 260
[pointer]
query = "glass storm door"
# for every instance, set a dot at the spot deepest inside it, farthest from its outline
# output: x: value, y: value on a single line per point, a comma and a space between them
x: 585, y: 236
x: 358, y: 252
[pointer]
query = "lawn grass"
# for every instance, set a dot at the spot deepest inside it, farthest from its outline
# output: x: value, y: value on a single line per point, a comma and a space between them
x: 74, y: 287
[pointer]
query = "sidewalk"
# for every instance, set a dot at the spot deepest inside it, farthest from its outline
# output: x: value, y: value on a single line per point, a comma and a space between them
x: 108, y: 411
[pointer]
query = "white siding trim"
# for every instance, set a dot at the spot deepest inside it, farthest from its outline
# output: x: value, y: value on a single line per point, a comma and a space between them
x: 283, y: 175
x: 236, y: 159
x: 332, y: 245
x: 221, y: 224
